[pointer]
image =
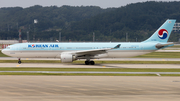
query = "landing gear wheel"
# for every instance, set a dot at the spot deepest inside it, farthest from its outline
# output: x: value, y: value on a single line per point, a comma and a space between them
x: 19, y: 61
x: 92, y: 62
x: 87, y: 62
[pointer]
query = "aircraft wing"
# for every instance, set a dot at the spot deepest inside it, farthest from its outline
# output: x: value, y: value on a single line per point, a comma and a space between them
x: 95, y: 51
x: 163, y: 45
x: 92, y: 52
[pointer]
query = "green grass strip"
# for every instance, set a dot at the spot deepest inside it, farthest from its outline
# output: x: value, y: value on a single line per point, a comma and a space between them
x: 94, y: 69
x: 175, y: 46
x: 160, y: 55
x: 77, y: 74
x: 170, y: 74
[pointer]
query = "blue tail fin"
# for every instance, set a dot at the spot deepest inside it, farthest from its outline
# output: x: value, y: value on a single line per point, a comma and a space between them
x: 163, y: 33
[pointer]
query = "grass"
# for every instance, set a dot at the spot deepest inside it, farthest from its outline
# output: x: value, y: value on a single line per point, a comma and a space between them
x: 170, y: 74
x: 160, y: 55
x: 93, y: 69
x: 77, y: 74
x: 90, y: 70
x: 175, y: 46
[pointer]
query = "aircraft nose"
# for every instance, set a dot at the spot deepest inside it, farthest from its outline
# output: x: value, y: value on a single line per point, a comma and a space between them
x: 3, y: 51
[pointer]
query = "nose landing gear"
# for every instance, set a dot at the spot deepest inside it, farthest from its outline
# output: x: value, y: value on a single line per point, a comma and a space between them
x: 19, y: 61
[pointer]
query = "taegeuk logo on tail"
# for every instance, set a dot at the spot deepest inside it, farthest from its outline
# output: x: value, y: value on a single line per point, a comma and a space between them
x: 163, y: 34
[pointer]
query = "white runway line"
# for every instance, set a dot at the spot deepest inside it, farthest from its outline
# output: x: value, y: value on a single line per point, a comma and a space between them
x: 64, y: 72
x: 60, y: 65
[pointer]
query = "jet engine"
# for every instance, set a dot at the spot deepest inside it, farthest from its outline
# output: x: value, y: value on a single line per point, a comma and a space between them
x: 66, y: 58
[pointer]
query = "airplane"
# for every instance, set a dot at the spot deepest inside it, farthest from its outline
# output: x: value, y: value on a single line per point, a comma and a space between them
x: 69, y: 52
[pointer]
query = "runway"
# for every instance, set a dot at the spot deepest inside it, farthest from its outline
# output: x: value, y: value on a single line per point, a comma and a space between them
x: 89, y: 88
x: 60, y: 65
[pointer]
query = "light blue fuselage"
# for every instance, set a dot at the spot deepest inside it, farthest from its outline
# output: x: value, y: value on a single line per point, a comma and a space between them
x: 53, y: 50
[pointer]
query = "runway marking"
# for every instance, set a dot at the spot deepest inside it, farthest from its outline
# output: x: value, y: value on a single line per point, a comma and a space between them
x: 27, y: 58
x: 158, y: 74
x: 17, y: 65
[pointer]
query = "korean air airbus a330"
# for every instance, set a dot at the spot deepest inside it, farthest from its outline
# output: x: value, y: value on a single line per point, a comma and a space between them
x: 69, y: 52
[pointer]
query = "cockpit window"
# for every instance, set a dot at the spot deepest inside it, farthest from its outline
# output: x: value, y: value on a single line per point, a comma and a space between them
x: 8, y: 47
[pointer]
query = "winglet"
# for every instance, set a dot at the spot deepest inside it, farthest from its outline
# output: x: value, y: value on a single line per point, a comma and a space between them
x: 117, y: 46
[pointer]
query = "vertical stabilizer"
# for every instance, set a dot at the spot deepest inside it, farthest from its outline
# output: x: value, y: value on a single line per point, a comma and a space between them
x: 163, y: 33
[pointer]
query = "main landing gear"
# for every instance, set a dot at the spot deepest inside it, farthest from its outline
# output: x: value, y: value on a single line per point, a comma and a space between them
x: 89, y: 62
x: 19, y: 61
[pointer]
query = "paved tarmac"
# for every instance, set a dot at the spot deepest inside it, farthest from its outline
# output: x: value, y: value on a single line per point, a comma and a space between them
x: 89, y: 88
x: 60, y: 65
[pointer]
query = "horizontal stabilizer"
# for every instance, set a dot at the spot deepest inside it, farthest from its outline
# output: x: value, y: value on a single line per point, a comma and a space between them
x: 117, y: 46
x: 163, y: 45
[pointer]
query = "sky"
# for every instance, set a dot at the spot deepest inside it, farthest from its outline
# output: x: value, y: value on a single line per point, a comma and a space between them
x: 59, y: 3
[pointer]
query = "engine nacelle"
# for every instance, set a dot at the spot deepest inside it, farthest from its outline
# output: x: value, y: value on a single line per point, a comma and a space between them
x: 65, y: 57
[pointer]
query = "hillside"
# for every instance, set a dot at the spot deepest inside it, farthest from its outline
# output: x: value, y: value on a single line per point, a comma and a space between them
x: 49, y: 18
x: 139, y: 20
